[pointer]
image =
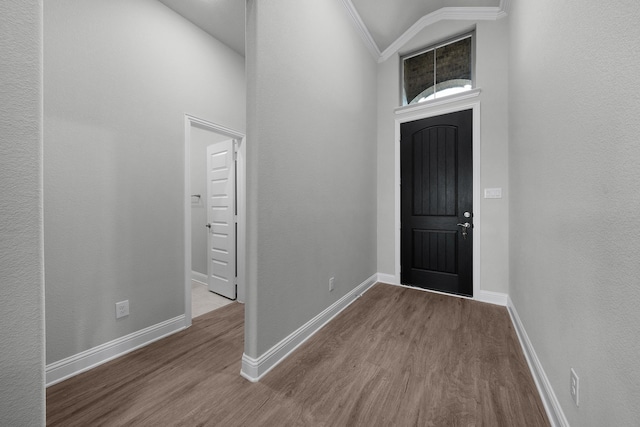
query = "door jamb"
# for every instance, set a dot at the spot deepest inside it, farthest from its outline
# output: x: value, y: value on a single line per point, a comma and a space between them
x: 189, y: 121
x: 477, y: 218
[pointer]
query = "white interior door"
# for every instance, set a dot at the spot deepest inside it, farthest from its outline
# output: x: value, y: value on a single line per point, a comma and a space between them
x: 221, y: 216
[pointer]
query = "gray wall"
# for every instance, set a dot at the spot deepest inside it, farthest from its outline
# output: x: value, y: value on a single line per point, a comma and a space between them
x: 311, y: 157
x: 21, y: 267
x: 491, y: 78
x: 119, y: 76
x: 574, y: 171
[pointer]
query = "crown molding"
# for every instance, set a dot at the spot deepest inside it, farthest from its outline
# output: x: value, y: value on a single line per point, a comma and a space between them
x: 362, y: 29
x: 445, y: 13
x: 504, y: 7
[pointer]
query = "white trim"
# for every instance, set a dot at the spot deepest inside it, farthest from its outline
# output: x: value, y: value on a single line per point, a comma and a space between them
x: 387, y: 278
x: 504, y: 7
x: 254, y: 369
x: 241, y: 219
x: 473, y: 93
x: 445, y: 13
x: 88, y: 359
x: 490, y: 297
x: 431, y: 291
x: 548, y: 396
x: 189, y: 121
x: 362, y: 29
x: 199, y: 277
x: 424, y: 113
x: 187, y: 220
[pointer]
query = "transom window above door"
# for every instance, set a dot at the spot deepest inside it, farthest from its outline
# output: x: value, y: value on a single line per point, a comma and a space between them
x: 436, y: 71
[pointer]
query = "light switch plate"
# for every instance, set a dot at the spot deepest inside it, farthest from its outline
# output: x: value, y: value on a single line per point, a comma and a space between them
x: 493, y: 193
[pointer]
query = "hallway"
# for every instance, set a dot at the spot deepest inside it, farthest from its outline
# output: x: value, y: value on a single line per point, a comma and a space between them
x: 396, y: 356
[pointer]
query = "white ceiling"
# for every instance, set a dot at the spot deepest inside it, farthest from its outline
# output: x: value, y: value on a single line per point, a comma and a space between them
x: 386, y: 20
x: 223, y: 19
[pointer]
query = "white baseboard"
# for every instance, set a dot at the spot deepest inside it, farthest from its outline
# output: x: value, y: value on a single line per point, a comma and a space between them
x: 81, y: 362
x: 548, y: 396
x: 254, y: 369
x: 497, y: 298
x: 490, y: 297
x: 387, y: 278
x: 199, y: 277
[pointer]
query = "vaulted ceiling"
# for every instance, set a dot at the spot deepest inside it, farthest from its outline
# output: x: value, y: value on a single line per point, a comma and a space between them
x: 223, y: 19
x: 387, y: 20
x: 382, y: 21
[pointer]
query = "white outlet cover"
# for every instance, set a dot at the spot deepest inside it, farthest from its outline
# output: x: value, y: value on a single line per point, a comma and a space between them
x: 122, y: 309
x: 574, y: 387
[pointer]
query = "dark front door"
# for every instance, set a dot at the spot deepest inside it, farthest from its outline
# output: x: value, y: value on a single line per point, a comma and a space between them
x: 436, y: 203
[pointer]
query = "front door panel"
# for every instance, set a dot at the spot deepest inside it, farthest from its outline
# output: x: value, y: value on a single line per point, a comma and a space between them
x: 437, y: 190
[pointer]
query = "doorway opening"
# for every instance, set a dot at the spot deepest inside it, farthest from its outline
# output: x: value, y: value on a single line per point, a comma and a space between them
x: 214, y: 216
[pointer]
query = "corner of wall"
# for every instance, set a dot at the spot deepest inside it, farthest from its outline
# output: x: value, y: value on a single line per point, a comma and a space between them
x: 22, y: 397
x: 548, y: 396
x: 253, y: 369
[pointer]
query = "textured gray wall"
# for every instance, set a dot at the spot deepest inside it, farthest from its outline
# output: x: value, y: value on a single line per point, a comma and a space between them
x: 311, y: 156
x: 119, y: 77
x: 491, y: 78
x: 574, y: 174
x: 21, y: 267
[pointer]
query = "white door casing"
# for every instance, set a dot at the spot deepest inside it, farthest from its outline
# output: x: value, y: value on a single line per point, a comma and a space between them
x: 418, y: 112
x: 221, y: 217
x: 190, y: 123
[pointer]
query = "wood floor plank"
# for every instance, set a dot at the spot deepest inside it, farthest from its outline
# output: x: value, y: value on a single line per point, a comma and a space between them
x: 396, y: 356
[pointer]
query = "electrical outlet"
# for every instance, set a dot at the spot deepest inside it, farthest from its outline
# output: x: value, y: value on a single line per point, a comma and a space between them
x: 122, y: 309
x: 574, y: 386
x: 332, y: 282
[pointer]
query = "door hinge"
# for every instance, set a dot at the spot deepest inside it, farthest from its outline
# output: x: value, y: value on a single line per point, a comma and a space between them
x: 235, y: 149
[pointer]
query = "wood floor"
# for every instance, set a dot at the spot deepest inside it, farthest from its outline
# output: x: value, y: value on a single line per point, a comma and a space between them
x: 395, y: 357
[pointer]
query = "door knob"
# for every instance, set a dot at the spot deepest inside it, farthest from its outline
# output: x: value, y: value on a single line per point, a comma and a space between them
x: 208, y: 225
x: 465, y: 226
